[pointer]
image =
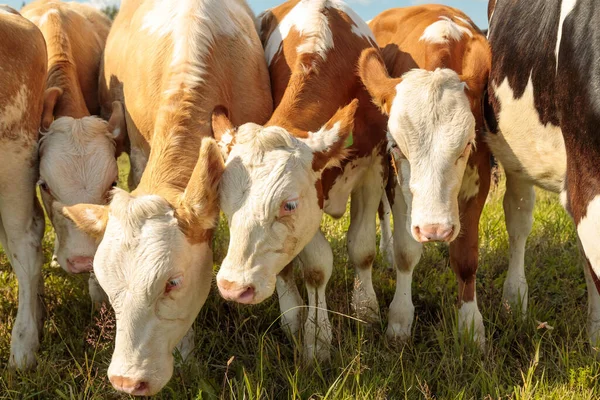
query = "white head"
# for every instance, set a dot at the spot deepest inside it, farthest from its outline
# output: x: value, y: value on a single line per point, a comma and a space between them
x: 431, y: 122
x: 271, y: 195
x: 78, y: 165
x: 154, y: 262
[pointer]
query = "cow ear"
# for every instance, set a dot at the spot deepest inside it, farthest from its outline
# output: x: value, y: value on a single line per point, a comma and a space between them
x: 374, y: 75
x: 51, y: 96
x: 91, y: 219
x: 199, y: 203
x: 330, y: 142
x: 223, y: 130
x: 117, y: 126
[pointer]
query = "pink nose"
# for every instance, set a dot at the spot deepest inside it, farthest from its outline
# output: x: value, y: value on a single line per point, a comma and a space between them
x: 433, y: 233
x: 77, y: 265
x: 234, y: 292
x: 130, y: 386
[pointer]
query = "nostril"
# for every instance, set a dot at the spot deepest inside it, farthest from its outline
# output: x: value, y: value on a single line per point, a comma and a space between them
x: 247, y: 295
x: 141, y: 387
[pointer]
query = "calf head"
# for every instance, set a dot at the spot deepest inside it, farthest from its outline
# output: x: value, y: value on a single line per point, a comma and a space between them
x: 154, y: 262
x: 271, y: 195
x: 77, y: 165
x: 431, y: 122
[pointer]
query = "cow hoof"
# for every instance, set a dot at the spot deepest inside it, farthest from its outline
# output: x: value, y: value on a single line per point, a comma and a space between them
x: 397, y: 334
x: 470, y: 323
x: 365, y: 307
x: 514, y: 298
x: 22, y: 358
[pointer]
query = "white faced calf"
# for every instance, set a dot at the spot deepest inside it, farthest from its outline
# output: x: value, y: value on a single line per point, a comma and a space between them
x: 431, y: 122
x: 77, y: 165
x: 269, y: 193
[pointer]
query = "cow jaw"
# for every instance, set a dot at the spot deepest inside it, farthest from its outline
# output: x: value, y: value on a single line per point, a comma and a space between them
x: 432, y: 124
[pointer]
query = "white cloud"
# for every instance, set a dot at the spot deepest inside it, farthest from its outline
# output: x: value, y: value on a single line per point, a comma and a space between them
x: 104, y: 3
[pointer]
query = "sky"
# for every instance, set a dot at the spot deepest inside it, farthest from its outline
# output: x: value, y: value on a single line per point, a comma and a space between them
x: 367, y: 9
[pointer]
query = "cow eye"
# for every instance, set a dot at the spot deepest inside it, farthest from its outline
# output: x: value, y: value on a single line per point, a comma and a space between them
x: 114, y: 184
x: 44, y: 186
x: 174, y: 283
x: 288, y: 207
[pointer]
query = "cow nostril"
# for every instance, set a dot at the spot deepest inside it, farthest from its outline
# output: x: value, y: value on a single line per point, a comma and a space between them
x: 141, y: 387
x: 247, y: 295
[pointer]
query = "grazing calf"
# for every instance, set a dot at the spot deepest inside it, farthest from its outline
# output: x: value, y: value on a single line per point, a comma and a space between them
x: 171, y: 64
x: 309, y: 158
x: 22, y: 79
x: 544, y: 122
x: 77, y: 150
x: 439, y: 63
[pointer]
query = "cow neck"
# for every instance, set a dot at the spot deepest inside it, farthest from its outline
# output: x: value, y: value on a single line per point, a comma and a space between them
x: 175, y: 147
x: 62, y: 73
x: 304, y: 107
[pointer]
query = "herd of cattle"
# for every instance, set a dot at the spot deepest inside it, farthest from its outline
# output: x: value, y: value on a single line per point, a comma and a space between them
x: 275, y: 120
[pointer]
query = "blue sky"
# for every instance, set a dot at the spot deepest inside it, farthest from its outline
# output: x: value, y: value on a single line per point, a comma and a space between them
x: 476, y: 9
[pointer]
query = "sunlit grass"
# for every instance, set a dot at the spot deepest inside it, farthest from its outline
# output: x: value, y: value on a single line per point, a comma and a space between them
x: 242, y: 353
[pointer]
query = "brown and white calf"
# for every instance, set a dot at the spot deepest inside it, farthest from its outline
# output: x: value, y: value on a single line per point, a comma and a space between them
x: 544, y: 122
x: 77, y: 149
x: 22, y: 80
x: 430, y: 82
x: 320, y: 147
x: 172, y: 65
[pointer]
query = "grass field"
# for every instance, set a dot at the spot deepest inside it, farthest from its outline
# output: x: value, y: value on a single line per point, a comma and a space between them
x: 242, y: 353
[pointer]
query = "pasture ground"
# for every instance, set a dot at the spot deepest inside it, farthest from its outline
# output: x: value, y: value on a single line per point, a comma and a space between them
x: 242, y: 353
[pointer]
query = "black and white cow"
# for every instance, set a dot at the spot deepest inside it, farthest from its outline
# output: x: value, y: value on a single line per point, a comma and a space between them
x: 544, y: 122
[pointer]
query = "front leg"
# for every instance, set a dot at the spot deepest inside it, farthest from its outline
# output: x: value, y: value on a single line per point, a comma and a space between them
x: 362, y: 246
x: 290, y: 302
x: 407, y: 253
x: 464, y: 255
x: 317, y: 265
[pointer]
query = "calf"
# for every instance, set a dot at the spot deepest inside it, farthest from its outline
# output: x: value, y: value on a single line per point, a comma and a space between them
x: 309, y: 158
x: 77, y: 150
x: 544, y: 121
x: 22, y: 79
x: 439, y: 62
x: 171, y: 65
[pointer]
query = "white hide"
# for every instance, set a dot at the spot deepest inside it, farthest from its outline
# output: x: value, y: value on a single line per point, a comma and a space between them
x: 565, y: 9
x: 470, y: 321
x: 443, y: 31
x: 142, y: 250
x: 588, y: 231
x: 526, y: 147
x: 432, y: 124
x: 308, y: 19
x: 77, y: 165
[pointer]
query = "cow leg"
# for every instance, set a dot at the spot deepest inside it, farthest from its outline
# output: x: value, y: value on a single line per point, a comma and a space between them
x: 54, y: 263
x: 290, y: 302
x: 317, y: 265
x: 21, y: 234
x: 587, y: 217
x: 362, y: 243
x: 386, y: 245
x: 186, y: 345
x: 519, y: 201
x: 464, y: 255
x: 97, y: 294
x: 407, y: 253
x: 137, y: 161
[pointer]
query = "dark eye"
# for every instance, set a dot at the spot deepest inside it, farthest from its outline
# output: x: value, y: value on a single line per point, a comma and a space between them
x: 44, y: 186
x: 173, y: 283
x: 114, y: 184
x: 288, y: 207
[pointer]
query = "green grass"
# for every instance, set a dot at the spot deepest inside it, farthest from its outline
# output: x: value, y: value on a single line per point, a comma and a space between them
x: 242, y: 353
